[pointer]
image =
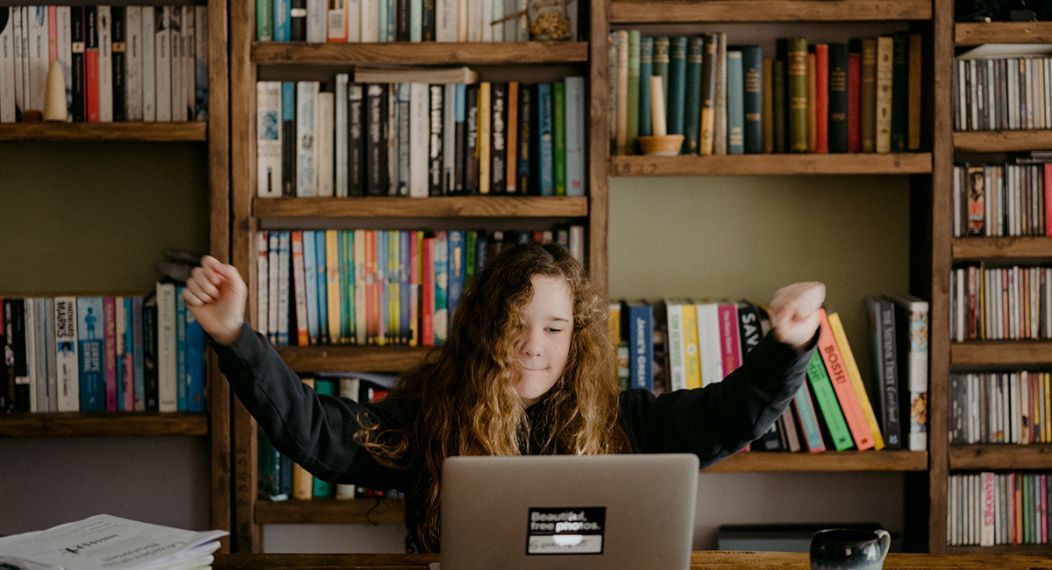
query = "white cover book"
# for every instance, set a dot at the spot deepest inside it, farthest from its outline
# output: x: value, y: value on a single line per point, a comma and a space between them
x: 496, y: 27
x: 64, y: 53
x: 67, y: 377
x: 575, y: 135
x: 7, y: 69
x: 167, y: 373
x: 20, y: 39
x: 463, y: 20
x: 149, y: 64
x: 189, y: 32
x: 175, y: 69
x: 370, y: 21
x: 306, y: 154
x: 283, y: 287
x: 522, y: 28
x: 38, y: 56
x: 348, y: 388
x: 133, y: 61
x: 709, y: 343
x: 163, y: 63
x: 105, y: 64
x: 317, y: 10
x: 262, y: 284
x: 485, y: 12
x: 51, y: 385
x: 474, y: 19
x: 354, y: 20
x: 200, y: 66
x: 340, y: 143
x: 416, y: 20
x: 268, y: 139
x: 419, y: 126
x: 677, y: 371
x: 577, y: 243
x: 323, y: 149
x: 337, y: 21
x: 445, y: 20
x: 31, y: 351
x: 273, y: 292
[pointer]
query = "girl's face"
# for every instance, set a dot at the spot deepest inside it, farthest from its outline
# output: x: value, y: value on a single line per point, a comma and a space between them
x: 545, y: 346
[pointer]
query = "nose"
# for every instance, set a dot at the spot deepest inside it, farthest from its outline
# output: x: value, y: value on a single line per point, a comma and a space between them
x: 531, y: 343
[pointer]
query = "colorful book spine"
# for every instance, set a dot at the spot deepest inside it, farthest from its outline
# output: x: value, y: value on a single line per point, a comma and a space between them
x: 855, y: 376
x: 91, y: 353
x: 796, y: 94
x: 735, y: 103
x: 805, y: 411
x: 835, y: 366
x: 753, y: 97
x: 113, y: 389
x: 824, y: 394
x: 640, y: 326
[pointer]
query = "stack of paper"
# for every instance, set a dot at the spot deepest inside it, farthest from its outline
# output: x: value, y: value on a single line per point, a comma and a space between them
x: 108, y: 542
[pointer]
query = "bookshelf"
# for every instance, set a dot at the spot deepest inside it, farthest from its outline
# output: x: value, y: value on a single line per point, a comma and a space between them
x: 772, y: 164
x: 210, y: 140
x: 643, y: 12
x: 827, y: 462
x: 300, y: 60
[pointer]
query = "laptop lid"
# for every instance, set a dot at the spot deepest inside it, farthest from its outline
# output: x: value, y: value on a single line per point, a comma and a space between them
x: 568, y: 511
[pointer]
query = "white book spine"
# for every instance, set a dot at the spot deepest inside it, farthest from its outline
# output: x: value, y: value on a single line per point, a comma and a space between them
x: 485, y: 12
x: 575, y: 134
x: 676, y: 348
x: 306, y: 157
x: 316, y: 15
x: 496, y: 27
x: 149, y: 63
x: 463, y: 20
x: 105, y: 21
x: 200, y: 65
x: 474, y: 21
x: 323, y: 148
x: 273, y: 292
x: 50, y: 354
x: 133, y: 55
x: 167, y: 381
x: 418, y: 142
x: 354, y: 20
x: 348, y: 389
x: 337, y: 21
x: 189, y: 33
x: 64, y: 53
x: 416, y: 20
x: 340, y: 102
x: 577, y: 243
x: 7, y: 69
x: 32, y: 364
x: 709, y: 343
x: 268, y: 139
x: 446, y: 20
x: 175, y: 66
x: 66, y: 365
x: 262, y: 284
x: 370, y: 21
x: 38, y: 56
x: 522, y: 28
x: 299, y: 286
x: 163, y: 63
x: 20, y: 41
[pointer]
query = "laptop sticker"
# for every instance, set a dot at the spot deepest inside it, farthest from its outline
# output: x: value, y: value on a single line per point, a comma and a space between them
x: 565, y: 530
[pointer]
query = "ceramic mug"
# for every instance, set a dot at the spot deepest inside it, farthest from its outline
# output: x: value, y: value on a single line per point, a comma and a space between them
x: 849, y: 549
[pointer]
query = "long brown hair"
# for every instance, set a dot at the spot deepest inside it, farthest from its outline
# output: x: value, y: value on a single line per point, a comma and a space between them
x: 468, y: 401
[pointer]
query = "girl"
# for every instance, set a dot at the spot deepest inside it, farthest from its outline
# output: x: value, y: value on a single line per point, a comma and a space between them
x: 527, y: 369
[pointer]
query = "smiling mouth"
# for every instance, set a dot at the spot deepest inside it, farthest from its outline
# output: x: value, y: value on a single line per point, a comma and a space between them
x: 534, y: 369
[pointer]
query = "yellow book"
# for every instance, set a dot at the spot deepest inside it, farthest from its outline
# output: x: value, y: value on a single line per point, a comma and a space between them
x: 483, y: 134
x: 856, y: 379
x: 613, y: 326
x: 302, y: 480
x: 332, y: 275
x: 691, y: 360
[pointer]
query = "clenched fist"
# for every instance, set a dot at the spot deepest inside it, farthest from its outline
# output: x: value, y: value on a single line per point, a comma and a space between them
x: 216, y: 295
x: 794, y: 312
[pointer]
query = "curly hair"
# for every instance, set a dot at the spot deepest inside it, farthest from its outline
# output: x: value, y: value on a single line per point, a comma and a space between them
x: 468, y: 401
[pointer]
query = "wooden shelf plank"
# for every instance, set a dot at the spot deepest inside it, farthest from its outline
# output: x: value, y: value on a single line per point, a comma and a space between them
x: 1002, y: 248
x: 650, y: 12
x: 1013, y: 457
x: 973, y: 34
x: 331, y: 511
x: 358, y: 359
x: 1018, y: 549
x: 427, y: 53
x: 103, y: 425
x: 438, y: 207
x: 1001, y: 353
x: 829, y: 462
x: 104, y: 132
x: 780, y: 164
x: 1001, y: 141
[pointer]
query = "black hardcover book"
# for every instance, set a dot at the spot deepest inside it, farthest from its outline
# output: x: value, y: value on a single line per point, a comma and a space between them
x: 298, y: 20
x: 76, y: 19
x: 355, y: 141
x: 460, y: 142
x: 149, y: 352
x: 780, y: 79
x: 471, y: 154
x: 525, y: 122
x: 752, y: 98
x: 838, y: 97
x: 120, y: 88
x: 376, y: 140
x: 7, y: 360
x: 288, y: 139
x: 498, y: 137
x: 436, y: 105
x: 404, y: 135
x: 429, y: 24
x: 402, y: 32
x: 16, y: 319
x: 882, y: 332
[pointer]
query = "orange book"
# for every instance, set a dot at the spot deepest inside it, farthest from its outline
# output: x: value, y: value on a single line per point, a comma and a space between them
x: 845, y: 392
x: 299, y: 282
x: 512, y: 143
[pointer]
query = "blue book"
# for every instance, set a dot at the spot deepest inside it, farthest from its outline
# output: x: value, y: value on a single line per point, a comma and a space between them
x: 118, y: 351
x: 456, y: 270
x: 90, y: 344
x: 459, y: 134
x: 323, y: 287
x: 180, y: 351
x: 640, y: 322
x: 441, y: 262
x: 735, y: 104
x: 282, y: 24
x: 126, y: 361
x: 545, y: 129
x: 403, y: 285
x: 692, y: 95
x: 284, y: 251
x: 310, y: 285
x: 677, y: 84
x: 139, y: 383
x: 195, y: 365
x: 646, y: 68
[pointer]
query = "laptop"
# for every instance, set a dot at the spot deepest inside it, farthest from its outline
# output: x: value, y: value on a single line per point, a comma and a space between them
x: 569, y: 511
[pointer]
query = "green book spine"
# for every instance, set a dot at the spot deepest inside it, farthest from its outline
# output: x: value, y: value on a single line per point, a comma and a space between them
x: 868, y: 107
x: 692, y: 98
x: 798, y: 118
x: 646, y: 67
x: 707, y: 135
x: 264, y: 20
x: 900, y: 92
x: 752, y: 98
x: 838, y: 97
x: 827, y: 402
x: 347, y: 286
x: 778, y: 75
x: 324, y: 489
x: 470, y: 243
x: 735, y: 105
x: 559, y: 136
x: 661, y: 46
x: 633, y: 89
x: 677, y: 83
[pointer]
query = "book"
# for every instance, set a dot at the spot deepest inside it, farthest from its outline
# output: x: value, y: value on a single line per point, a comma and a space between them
x: 67, y: 359
x: 854, y: 96
x: 735, y: 103
x: 324, y: 144
x: 269, y: 144
x: 868, y: 96
x: 881, y: 315
x: 884, y: 104
x: 855, y: 377
x: 559, y: 138
x: 646, y: 66
x: 899, y: 92
x: 687, y: 98
x: 640, y: 326
x: 845, y: 392
x: 805, y: 412
x: 821, y: 98
x: 754, y: 96
x: 796, y: 95
x: 632, y: 96
x: 838, y: 97
x: 90, y: 350
x: 822, y: 388
x: 707, y: 130
x: 911, y: 318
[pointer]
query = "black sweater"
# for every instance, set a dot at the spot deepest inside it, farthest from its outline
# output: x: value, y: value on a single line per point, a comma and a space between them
x: 316, y: 431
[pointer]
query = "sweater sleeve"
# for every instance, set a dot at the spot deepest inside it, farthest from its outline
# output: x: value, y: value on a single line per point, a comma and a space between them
x: 718, y: 420
x: 314, y: 430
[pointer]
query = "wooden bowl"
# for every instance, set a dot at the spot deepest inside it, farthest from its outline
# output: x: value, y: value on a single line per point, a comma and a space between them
x: 661, y: 145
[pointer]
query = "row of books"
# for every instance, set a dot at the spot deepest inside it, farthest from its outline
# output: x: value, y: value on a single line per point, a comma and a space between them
x: 354, y: 21
x: 861, y: 96
x: 281, y: 479
x: 121, y: 63
x: 1001, y: 407
x: 1002, y: 200
x: 680, y: 344
x: 1002, y: 93
x: 420, y: 140
x: 102, y: 354
x: 374, y: 287
x: 1000, y: 303
x: 988, y: 509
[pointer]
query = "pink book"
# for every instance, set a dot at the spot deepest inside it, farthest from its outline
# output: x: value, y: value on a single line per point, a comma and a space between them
x: 110, y: 350
x: 730, y: 339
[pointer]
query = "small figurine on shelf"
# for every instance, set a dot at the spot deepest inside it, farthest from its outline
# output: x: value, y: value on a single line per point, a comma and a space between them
x: 548, y: 20
x: 55, y: 96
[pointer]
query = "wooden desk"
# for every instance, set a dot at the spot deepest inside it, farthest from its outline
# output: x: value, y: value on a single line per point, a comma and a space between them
x: 700, y: 559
